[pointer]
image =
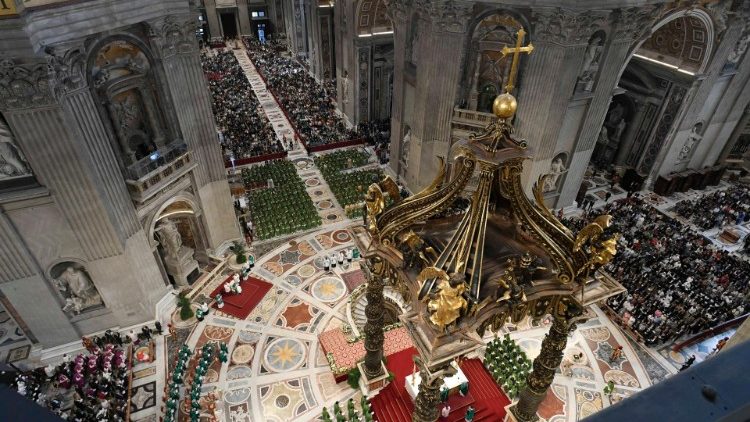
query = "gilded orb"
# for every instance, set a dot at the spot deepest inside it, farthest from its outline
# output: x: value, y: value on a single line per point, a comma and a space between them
x: 504, y: 106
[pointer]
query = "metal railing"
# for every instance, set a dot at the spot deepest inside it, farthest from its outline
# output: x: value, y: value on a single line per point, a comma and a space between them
x: 161, y: 157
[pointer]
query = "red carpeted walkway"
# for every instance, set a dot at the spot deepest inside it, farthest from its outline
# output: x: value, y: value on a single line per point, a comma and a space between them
x: 393, y: 404
x: 240, y: 305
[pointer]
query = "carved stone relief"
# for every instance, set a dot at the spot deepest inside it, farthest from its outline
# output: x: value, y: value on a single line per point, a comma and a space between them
x: 13, y: 164
x: 567, y: 27
x: 24, y: 86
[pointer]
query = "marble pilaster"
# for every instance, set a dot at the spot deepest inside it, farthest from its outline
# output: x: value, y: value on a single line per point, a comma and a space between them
x: 179, y: 56
x: 435, y: 97
x: 212, y: 16
x: 397, y: 104
x: 694, y: 110
x: 244, y: 16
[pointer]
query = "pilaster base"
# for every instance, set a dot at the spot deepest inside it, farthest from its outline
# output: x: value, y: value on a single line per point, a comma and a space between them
x: 370, y: 386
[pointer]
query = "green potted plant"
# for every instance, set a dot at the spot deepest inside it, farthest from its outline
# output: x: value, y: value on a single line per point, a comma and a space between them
x: 186, y: 312
x: 238, y: 249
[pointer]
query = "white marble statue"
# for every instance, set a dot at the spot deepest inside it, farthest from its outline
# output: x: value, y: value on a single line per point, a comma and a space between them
x: 80, y: 292
x: 619, y: 129
x: 169, y: 237
x: 603, y: 136
x: 405, y: 145
x: 739, y: 49
x: 693, y: 139
x: 344, y: 87
x: 556, y: 169
x: 12, y: 161
x: 591, y: 63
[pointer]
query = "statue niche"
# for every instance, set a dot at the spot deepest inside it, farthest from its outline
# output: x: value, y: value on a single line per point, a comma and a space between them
x: 76, y: 288
x: 125, y: 83
x: 487, y: 72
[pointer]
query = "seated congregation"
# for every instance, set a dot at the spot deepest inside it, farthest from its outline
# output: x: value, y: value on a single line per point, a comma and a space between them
x: 678, y: 283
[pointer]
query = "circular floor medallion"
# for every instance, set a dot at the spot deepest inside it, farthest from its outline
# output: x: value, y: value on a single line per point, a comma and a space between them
x: 282, y: 401
x: 324, y: 204
x: 306, y: 271
x: 341, y: 236
x: 242, y: 354
x: 328, y: 289
x: 312, y: 182
x: 284, y: 354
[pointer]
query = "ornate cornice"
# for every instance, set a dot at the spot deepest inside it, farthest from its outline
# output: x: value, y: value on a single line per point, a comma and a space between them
x: 67, y: 68
x: 568, y: 27
x: 399, y: 10
x: 172, y: 35
x: 446, y: 15
x: 24, y: 85
x: 634, y: 23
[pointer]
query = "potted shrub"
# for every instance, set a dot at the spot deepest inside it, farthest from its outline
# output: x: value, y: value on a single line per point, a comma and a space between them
x: 186, y: 312
x: 239, y: 259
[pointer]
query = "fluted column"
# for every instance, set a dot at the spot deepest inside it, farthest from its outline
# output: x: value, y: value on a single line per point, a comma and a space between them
x: 373, y: 329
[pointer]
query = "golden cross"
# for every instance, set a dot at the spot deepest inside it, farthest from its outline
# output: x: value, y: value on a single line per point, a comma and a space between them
x: 517, y: 50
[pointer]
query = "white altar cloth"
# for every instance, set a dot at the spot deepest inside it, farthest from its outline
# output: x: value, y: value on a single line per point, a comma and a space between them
x: 451, y: 383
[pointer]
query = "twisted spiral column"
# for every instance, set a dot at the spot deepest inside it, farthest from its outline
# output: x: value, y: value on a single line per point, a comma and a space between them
x: 373, y: 329
x: 539, y: 380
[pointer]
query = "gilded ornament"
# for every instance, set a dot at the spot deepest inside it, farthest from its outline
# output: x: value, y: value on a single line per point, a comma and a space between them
x: 447, y: 304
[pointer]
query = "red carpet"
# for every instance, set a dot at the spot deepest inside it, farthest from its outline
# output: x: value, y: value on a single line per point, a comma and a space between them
x: 240, y: 305
x: 393, y: 403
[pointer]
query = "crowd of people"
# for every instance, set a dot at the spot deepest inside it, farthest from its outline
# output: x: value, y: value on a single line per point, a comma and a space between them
x: 678, y: 283
x: 89, y: 387
x: 308, y: 104
x: 718, y: 209
x: 377, y: 134
x: 244, y: 129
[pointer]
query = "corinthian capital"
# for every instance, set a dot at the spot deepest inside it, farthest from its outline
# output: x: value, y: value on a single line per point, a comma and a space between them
x: 634, y: 23
x: 67, y: 66
x: 399, y: 10
x: 567, y: 27
x: 446, y: 15
x: 24, y: 85
x: 172, y: 35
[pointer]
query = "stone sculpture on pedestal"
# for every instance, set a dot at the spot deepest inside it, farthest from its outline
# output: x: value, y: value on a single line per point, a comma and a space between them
x: 178, y: 258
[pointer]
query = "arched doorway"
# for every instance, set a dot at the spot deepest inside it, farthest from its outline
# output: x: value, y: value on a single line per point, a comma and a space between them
x: 179, y: 240
x: 653, y: 86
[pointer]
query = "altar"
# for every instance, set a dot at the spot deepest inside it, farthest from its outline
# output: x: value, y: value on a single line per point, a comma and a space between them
x: 451, y: 383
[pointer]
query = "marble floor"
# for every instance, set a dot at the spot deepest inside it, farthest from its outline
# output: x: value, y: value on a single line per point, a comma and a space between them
x: 277, y: 370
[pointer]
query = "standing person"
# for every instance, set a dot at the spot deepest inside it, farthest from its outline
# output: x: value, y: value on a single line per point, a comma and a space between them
x: 688, y: 363
x: 616, y: 354
x: 333, y: 261
x: 349, y: 254
x: 470, y: 414
x: 607, y: 196
x: 445, y: 411
x: 327, y: 264
x: 560, y: 214
x: 341, y: 257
